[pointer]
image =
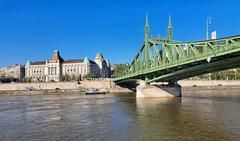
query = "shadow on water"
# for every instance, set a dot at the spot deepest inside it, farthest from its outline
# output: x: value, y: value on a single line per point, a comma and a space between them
x: 172, y: 119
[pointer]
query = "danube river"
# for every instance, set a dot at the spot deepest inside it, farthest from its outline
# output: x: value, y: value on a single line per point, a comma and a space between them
x: 199, y: 115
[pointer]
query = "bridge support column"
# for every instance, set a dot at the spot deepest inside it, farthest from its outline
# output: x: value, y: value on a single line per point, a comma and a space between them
x: 160, y: 91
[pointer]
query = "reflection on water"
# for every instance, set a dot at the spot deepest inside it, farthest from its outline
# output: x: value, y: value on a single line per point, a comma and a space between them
x: 198, y: 115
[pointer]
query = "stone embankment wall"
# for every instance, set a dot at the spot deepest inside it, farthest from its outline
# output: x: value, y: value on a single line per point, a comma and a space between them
x: 110, y: 86
x: 202, y: 83
x: 209, y: 84
x: 100, y: 84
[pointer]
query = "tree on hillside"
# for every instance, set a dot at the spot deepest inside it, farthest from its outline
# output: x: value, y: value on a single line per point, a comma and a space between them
x: 231, y: 74
x: 119, y: 70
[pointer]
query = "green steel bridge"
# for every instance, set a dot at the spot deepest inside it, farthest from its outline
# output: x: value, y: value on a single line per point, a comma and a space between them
x: 166, y: 60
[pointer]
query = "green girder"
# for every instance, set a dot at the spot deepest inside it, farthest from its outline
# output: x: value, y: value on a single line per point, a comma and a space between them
x: 164, y: 59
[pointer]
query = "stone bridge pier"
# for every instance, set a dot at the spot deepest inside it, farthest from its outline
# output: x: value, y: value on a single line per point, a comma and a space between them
x: 158, y: 90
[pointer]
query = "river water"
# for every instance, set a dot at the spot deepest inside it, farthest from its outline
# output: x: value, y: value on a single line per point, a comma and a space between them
x: 204, y: 115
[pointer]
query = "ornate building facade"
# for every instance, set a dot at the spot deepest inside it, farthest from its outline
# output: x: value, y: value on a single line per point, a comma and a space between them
x: 56, y: 68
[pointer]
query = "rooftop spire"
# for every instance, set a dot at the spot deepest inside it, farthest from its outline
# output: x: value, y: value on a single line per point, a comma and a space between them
x: 170, y: 21
x: 147, y: 33
x: 147, y: 23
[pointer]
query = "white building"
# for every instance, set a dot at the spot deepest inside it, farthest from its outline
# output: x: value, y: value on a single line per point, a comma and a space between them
x: 15, y: 71
x: 57, y: 68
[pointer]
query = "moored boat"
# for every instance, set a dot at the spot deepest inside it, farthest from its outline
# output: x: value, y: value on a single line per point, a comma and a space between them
x: 93, y: 91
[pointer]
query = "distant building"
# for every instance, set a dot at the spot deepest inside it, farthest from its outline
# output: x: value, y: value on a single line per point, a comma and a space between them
x: 3, y: 72
x: 57, y: 67
x: 14, y: 71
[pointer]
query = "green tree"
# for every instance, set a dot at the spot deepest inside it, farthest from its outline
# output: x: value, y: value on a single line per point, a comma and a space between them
x: 73, y: 77
x: 27, y: 79
x: 231, y: 74
x: 90, y: 75
x: 68, y: 77
x: 119, y: 70
x: 65, y: 77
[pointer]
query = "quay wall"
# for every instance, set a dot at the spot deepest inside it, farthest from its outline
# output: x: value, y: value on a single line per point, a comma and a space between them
x: 98, y: 84
x: 202, y: 83
x: 110, y: 86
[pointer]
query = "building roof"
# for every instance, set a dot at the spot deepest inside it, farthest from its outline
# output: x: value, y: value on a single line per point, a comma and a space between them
x: 99, y: 56
x: 91, y: 61
x: 56, y: 56
x: 76, y: 61
x: 28, y: 63
x: 39, y: 63
x: 64, y: 62
x: 73, y: 61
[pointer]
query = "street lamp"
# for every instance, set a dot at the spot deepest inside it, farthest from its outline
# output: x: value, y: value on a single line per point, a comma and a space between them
x: 209, y: 22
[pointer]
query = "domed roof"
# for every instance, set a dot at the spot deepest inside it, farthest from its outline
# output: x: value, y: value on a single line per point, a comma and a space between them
x: 99, y: 56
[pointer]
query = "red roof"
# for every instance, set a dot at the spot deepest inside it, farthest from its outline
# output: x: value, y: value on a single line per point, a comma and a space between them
x: 57, y: 57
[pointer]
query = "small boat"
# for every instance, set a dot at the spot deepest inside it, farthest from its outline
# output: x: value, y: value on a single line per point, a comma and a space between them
x: 93, y: 91
x: 29, y: 88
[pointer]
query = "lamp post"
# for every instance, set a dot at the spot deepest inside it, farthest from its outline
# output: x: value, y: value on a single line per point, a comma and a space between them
x: 209, y: 22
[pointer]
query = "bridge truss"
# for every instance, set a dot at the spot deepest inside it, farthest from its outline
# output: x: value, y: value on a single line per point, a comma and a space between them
x: 167, y: 60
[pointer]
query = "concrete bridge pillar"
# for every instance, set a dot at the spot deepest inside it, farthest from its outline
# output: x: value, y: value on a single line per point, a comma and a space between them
x: 158, y: 91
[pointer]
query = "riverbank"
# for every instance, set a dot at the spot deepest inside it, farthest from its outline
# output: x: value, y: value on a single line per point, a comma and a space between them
x: 60, y: 87
x: 209, y: 84
x: 104, y: 85
x: 98, y: 84
x: 41, y: 92
x: 190, y: 83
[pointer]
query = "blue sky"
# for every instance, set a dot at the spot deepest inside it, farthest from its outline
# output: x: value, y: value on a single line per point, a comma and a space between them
x: 33, y: 29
